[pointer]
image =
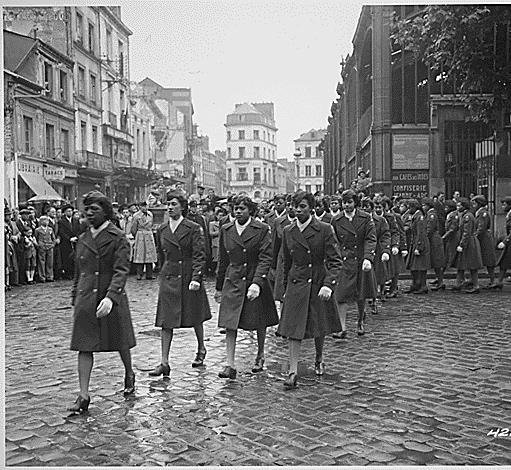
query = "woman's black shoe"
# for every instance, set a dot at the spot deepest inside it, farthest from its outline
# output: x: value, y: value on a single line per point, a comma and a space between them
x: 342, y: 335
x: 258, y: 366
x: 81, y: 405
x: 291, y: 381
x: 438, y: 287
x: 199, y: 358
x: 474, y: 290
x: 129, y: 384
x: 227, y: 373
x: 360, y: 329
x: 455, y: 288
x: 160, y: 370
x: 319, y: 367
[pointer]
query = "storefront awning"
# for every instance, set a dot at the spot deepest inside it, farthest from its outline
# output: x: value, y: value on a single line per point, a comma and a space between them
x: 39, y: 185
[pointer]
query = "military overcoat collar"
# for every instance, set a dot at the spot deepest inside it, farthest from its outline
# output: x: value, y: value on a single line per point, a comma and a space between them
x: 182, y: 230
x: 250, y: 231
x: 310, y: 231
x: 102, y: 239
x: 356, y: 222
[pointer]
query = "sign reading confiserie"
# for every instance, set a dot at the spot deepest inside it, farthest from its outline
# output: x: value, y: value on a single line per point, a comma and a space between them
x: 410, y: 184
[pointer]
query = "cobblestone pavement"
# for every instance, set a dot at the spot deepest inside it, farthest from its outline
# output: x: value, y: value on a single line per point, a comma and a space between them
x: 425, y: 385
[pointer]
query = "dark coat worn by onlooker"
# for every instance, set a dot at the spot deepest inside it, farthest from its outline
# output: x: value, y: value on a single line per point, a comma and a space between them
x: 244, y: 260
x: 311, y: 260
x: 184, y: 261
x: 66, y: 231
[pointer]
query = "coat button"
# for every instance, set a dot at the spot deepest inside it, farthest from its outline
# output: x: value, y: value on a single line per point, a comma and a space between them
x: 180, y: 262
x: 94, y: 290
x: 309, y: 252
x: 97, y: 273
x: 310, y: 265
x: 244, y: 278
x: 245, y: 264
x: 309, y: 280
x: 244, y: 250
x: 179, y: 275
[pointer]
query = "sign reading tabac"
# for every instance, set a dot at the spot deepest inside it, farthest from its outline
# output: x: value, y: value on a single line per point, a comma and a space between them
x: 410, y: 152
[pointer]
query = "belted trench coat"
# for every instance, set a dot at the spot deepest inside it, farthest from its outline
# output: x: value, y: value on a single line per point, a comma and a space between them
x: 184, y: 261
x: 436, y: 244
x: 101, y: 270
x: 244, y: 260
x: 418, y: 241
x: 485, y: 237
x: 357, y: 241
x: 311, y: 260
x: 470, y: 257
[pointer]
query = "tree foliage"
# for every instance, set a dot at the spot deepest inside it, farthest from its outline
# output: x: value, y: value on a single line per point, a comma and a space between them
x: 469, y: 44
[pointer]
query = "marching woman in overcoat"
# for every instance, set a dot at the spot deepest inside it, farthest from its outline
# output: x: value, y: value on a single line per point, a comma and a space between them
x: 182, y: 299
x: 242, y: 287
x: 356, y: 234
x: 485, y: 236
x: 451, y: 234
x: 436, y: 245
x: 504, y: 246
x: 419, y: 254
x: 311, y: 266
x: 468, y: 255
x: 101, y: 320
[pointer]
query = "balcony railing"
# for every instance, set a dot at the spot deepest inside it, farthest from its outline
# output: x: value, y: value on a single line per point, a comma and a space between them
x: 95, y: 161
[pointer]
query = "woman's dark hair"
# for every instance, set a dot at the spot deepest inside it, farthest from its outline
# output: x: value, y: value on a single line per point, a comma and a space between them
x: 480, y: 200
x: 96, y: 197
x: 324, y: 203
x: 413, y: 205
x: 247, y: 202
x: 299, y: 195
x: 386, y: 202
x: 367, y: 201
x: 180, y: 198
x: 350, y: 194
x: 465, y: 202
x: 450, y: 204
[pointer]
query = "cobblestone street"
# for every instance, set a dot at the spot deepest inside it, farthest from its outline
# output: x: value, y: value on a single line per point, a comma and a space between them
x: 425, y: 385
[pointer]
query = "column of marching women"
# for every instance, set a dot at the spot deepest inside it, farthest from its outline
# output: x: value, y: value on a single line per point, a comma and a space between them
x: 310, y: 255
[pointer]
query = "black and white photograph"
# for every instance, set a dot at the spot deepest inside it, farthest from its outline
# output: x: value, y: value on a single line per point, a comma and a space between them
x: 244, y: 233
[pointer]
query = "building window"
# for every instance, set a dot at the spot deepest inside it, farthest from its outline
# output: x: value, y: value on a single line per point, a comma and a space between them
x: 228, y: 152
x: 256, y: 135
x: 308, y: 170
x: 109, y: 44
x: 83, y: 134
x: 95, y: 139
x: 318, y: 187
x: 48, y: 79
x: 93, y: 91
x: 64, y: 144
x: 228, y: 135
x: 318, y: 152
x: 120, y: 46
x: 273, y: 154
x: 50, y: 141
x: 92, y: 41
x: 241, y: 152
x: 307, y: 188
x: 229, y: 174
x: 257, y: 176
x: 63, y: 86
x: 308, y: 152
x: 242, y: 174
x: 81, y: 82
x: 28, y: 132
x: 79, y: 28
x: 256, y: 152
x: 241, y: 135
x: 318, y: 170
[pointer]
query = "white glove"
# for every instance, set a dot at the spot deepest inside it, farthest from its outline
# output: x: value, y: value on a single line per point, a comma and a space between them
x: 501, y: 246
x: 366, y: 265
x: 325, y: 293
x: 104, y: 307
x: 395, y: 250
x: 218, y: 296
x: 194, y: 285
x: 459, y: 249
x: 253, y: 292
x: 404, y: 253
x: 385, y: 257
x: 416, y: 252
x: 73, y: 239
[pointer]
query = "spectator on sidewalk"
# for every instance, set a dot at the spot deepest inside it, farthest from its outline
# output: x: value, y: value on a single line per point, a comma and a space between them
x: 46, y: 243
x: 68, y: 231
x: 144, y: 248
x: 30, y: 244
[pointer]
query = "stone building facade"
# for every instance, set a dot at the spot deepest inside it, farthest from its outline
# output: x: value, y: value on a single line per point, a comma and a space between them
x: 309, y: 160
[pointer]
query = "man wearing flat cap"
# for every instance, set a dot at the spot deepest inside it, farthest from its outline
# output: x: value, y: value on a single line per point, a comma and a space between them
x: 68, y: 231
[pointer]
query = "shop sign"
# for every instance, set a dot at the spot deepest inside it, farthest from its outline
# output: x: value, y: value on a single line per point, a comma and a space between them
x: 410, y: 152
x: 71, y: 173
x: 54, y: 173
x: 411, y: 184
x: 29, y: 167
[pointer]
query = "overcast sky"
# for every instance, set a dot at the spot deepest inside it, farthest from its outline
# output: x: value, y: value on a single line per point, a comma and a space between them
x: 233, y: 51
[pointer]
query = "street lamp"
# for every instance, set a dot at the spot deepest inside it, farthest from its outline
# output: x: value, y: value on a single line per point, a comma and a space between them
x: 297, y: 155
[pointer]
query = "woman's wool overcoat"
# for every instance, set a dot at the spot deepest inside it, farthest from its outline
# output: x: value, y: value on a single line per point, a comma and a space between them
x: 101, y: 270
x: 485, y: 237
x: 383, y: 237
x: 311, y: 260
x: 184, y: 259
x: 451, y: 237
x: 278, y: 258
x: 244, y: 260
x: 470, y: 257
x: 504, y: 260
x: 418, y: 241
x: 357, y: 241
x: 436, y: 244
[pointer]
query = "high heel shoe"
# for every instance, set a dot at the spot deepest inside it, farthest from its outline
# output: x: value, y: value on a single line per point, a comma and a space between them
x: 129, y: 384
x: 160, y: 370
x: 360, y: 329
x: 438, y: 287
x: 227, y: 373
x: 291, y: 381
x: 80, y: 405
x: 258, y: 365
x: 199, y: 358
x: 319, y: 367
